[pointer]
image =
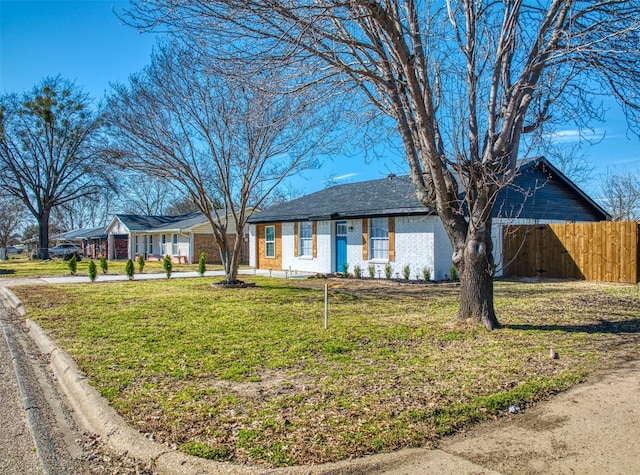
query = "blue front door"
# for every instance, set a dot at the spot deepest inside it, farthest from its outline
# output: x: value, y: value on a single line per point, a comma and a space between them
x: 341, y: 245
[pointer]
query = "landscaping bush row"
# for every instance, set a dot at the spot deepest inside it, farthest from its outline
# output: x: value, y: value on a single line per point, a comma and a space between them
x: 129, y: 267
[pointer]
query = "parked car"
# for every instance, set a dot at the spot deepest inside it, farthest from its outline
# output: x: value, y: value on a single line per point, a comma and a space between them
x: 65, y: 251
x: 14, y: 250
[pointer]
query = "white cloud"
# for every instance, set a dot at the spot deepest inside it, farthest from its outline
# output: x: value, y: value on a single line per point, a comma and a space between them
x: 346, y: 176
x: 577, y: 135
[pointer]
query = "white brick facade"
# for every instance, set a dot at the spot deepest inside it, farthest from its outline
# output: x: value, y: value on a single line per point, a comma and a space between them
x: 420, y: 241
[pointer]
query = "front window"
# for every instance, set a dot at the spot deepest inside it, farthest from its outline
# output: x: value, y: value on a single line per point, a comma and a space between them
x: 379, y: 238
x: 270, y: 240
x: 151, y: 244
x: 306, y: 239
x: 174, y: 244
x: 136, y: 242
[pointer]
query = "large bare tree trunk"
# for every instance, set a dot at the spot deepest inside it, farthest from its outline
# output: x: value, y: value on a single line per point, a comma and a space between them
x: 473, y: 257
x: 475, y: 270
x: 43, y: 235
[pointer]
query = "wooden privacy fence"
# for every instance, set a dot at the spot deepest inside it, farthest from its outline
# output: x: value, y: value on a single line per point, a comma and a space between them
x: 606, y: 251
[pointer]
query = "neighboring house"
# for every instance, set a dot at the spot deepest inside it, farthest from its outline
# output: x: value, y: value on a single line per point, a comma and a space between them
x: 380, y: 222
x: 93, y: 241
x: 181, y: 237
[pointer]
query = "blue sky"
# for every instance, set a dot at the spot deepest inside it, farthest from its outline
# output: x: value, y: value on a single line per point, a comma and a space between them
x: 86, y: 42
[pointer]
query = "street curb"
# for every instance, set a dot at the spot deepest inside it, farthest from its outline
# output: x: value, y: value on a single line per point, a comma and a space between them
x: 39, y: 433
x: 13, y: 301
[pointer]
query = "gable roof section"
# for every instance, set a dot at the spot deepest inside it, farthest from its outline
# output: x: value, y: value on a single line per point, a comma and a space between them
x: 540, y: 191
x: 393, y: 195
x: 142, y: 223
x: 136, y: 222
x: 80, y: 234
x: 544, y: 165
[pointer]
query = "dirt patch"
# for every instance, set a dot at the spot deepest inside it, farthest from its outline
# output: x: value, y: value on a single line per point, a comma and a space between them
x: 237, y: 284
x: 592, y: 428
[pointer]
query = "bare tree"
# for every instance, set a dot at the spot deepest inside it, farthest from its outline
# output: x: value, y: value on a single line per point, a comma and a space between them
x: 223, y: 141
x: 12, y: 214
x: 89, y: 211
x: 180, y: 206
x: 622, y: 196
x: 462, y: 80
x: 146, y: 194
x: 572, y: 161
x: 47, y: 148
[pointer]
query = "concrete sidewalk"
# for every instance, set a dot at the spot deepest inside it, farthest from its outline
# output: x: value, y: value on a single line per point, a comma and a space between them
x: 79, y: 279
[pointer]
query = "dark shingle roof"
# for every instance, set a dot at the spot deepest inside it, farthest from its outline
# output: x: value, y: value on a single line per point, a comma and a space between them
x: 135, y: 222
x: 393, y: 195
x: 531, y: 195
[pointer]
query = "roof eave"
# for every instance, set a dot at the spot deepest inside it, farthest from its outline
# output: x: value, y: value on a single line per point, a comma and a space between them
x: 344, y: 215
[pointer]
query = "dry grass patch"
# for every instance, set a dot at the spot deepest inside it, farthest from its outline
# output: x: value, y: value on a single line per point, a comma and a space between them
x: 251, y: 376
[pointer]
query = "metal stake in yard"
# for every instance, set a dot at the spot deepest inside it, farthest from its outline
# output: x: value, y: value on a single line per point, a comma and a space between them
x: 326, y: 306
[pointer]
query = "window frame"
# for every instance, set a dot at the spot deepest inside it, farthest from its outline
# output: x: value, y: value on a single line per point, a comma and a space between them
x: 379, y: 243
x: 305, y: 239
x: 270, y: 244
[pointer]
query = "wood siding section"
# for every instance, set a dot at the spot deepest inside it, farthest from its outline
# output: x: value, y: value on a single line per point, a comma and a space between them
x: 314, y: 239
x: 392, y: 239
x: 604, y: 251
x: 262, y: 261
x: 365, y: 239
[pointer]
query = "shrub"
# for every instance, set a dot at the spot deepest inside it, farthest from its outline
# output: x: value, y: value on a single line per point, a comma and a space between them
x: 426, y: 274
x: 167, y: 265
x: 388, y: 271
x: 140, y: 263
x: 406, y: 272
x: 453, y: 273
x: 357, y: 271
x: 372, y: 270
x: 202, y: 264
x: 345, y: 269
x: 93, y: 270
x: 128, y: 268
x: 104, y: 264
x: 73, y: 265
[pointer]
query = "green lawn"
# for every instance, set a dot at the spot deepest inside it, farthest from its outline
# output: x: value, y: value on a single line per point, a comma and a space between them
x: 20, y: 266
x: 250, y: 375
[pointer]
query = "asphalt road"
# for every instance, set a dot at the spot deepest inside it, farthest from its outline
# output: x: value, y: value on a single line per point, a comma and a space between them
x: 38, y: 433
x: 17, y: 447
